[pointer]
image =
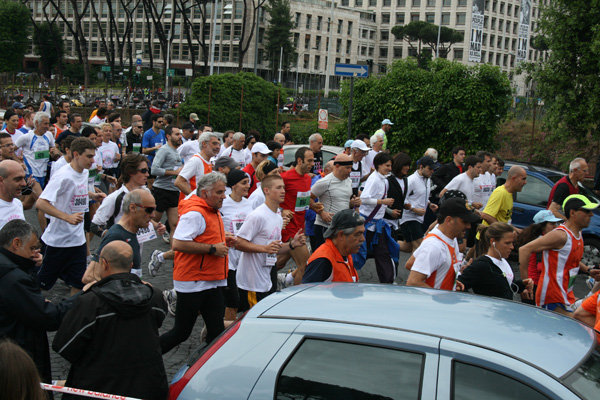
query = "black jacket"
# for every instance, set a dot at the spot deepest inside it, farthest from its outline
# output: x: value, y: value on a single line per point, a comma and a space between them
x: 443, y: 175
x: 111, y: 339
x: 395, y: 192
x: 25, y: 315
x: 485, y: 278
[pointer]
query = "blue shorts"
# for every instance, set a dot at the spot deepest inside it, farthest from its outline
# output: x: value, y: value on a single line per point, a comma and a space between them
x: 66, y: 263
x: 554, y: 306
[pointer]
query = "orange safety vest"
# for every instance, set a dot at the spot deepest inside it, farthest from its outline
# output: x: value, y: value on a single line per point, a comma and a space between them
x: 447, y: 282
x: 207, y: 170
x: 202, y: 267
x: 342, y: 271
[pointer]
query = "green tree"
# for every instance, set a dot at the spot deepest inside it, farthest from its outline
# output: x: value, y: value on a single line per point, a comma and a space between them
x: 49, y: 45
x: 259, y: 105
x: 279, y: 34
x: 14, y: 35
x: 567, y: 80
x: 446, y: 105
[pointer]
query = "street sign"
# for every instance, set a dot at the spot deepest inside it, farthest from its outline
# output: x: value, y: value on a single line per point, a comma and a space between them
x: 105, y: 68
x: 189, y: 72
x: 138, y: 68
x: 149, y: 78
x: 170, y: 72
x: 138, y: 61
x: 355, y: 70
x: 323, y: 118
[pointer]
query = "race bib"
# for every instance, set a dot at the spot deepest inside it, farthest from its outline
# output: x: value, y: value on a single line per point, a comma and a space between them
x: 280, y: 160
x: 302, y: 201
x: 236, y: 224
x: 79, y: 203
x: 137, y: 148
x: 271, y: 260
x: 355, y: 178
x: 572, y: 275
x: 146, y: 234
x: 42, y: 155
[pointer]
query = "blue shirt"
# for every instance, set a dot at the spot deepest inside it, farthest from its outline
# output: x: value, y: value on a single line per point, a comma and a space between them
x: 151, y: 139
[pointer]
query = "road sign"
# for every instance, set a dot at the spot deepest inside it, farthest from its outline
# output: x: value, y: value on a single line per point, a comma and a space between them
x: 170, y: 72
x: 138, y: 61
x: 189, y: 72
x: 105, y: 68
x: 323, y: 118
x: 138, y: 68
x: 359, y: 71
x: 149, y: 78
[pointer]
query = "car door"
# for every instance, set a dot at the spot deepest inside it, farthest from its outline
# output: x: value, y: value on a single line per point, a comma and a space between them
x: 533, y: 198
x: 468, y: 372
x: 342, y: 361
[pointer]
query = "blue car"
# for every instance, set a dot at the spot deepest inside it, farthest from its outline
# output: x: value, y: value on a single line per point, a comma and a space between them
x: 369, y: 341
x: 534, y: 198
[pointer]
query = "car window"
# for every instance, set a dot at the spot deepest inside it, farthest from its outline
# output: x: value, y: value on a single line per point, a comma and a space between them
x: 585, y: 380
x: 322, y: 369
x: 471, y: 382
x: 536, y: 192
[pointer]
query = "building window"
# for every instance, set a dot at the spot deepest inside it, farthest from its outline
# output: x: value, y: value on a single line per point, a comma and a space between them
x: 339, y: 27
x: 306, y: 61
x: 397, y: 52
x: 338, y: 46
x: 308, y: 21
x: 358, y: 3
x: 372, y: 35
x: 462, y: 3
x: 458, y: 54
x: 225, y: 54
x: 502, y: 8
x: 349, y: 28
x: 400, y: 3
x: 363, y: 51
x: 431, y: 3
x: 237, y: 31
x: 399, y: 18
x: 447, y: 3
x: 416, y: 3
x: 306, y: 42
x: 372, y: 3
x: 318, y: 42
x: 371, y: 51
x: 445, y: 18
x: 461, y: 18
x: 317, y: 62
x: 385, y: 35
x: 387, y: 3
x: 297, y: 22
x: 319, y: 23
x: 430, y: 17
x: 383, y: 52
x: 227, y: 32
x: 414, y: 17
x: 296, y: 39
x: 385, y: 18
x: 348, y: 47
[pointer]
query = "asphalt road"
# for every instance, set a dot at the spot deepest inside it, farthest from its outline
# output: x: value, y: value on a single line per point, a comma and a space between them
x: 179, y: 355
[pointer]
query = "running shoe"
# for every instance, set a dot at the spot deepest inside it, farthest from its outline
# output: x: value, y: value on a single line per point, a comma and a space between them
x: 154, y: 264
x: 166, y: 237
x: 170, y: 297
x: 590, y: 283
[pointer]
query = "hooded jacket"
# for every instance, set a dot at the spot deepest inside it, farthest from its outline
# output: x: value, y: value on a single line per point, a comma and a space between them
x: 25, y: 315
x: 111, y: 339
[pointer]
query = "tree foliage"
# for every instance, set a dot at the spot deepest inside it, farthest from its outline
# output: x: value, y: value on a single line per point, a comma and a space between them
x: 444, y: 106
x: 14, y: 35
x: 49, y: 45
x: 279, y: 34
x: 568, y: 79
x: 259, y: 102
x: 426, y: 33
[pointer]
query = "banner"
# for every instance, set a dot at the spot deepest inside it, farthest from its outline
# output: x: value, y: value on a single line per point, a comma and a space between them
x: 523, y: 37
x: 476, y: 31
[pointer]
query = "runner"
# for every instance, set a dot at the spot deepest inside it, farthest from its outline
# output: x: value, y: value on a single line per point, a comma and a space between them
x: 198, y: 165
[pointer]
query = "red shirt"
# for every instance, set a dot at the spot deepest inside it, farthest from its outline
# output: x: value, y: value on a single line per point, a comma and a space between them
x: 249, y: 169
x: 297, y: 199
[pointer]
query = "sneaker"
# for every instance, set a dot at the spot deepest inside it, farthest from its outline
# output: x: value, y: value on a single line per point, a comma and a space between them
x: 154, y: 264
x: 166, y: 237
x: 170, y: 297
x: 590, y: 283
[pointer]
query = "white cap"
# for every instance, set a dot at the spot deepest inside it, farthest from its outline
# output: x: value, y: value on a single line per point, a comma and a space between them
x: 260, y: 147
x: 357, y: 144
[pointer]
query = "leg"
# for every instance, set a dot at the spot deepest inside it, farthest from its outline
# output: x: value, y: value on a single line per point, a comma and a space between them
x: 232, y: 297
x: 383, y: 262
x: 300, y: 256
x: 317, y: 239
x: 416, y: 243
x: 188, y: 305
x: 213, y: 311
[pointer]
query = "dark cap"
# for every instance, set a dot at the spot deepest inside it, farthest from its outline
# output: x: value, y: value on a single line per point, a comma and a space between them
x: 235, y: 176
x: 188, y: 126
x: 343, y: 220
x: 225, y: 162
x: 18, y: 105
x: 457, y: 207
x: 426, y: 162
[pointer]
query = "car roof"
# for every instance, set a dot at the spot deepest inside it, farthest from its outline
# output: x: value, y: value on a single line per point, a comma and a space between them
x: 331, y: 149
x: 544, y: 339
x: 543, y: 169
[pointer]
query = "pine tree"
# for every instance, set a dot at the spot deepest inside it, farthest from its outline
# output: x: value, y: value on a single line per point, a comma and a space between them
x: 279, y: 34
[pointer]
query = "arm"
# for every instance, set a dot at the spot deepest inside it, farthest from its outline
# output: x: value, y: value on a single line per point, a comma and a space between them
x: 585, y: 316
x: 552, y: 240
x: 157, y: 163
x: 555, y: 208
x: 488, y: 218
x: 417, y: 279
x: 192, y: 247
x: 76, y: 330
x: 183, y: 185
x: 46, y: 207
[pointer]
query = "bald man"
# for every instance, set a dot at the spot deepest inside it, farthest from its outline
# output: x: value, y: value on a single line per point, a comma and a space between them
x: 334, y: 191
x: 500, y: 204
x: 12, y: 182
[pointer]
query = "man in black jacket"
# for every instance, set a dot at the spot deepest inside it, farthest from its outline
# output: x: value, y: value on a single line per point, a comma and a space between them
x: 444, y: 174
x: 111, y: 335
x: 25, y: 315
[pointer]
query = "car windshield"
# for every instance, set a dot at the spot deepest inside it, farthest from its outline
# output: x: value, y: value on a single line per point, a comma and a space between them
x: 585, y: 380
x: 554, y: 178
x: 588, y: 193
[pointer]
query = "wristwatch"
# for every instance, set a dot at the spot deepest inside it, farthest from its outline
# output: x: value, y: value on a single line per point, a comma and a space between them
x: 212, y: 249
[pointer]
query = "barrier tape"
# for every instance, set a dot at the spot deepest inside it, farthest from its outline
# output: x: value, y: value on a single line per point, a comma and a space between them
x: 86, y: 393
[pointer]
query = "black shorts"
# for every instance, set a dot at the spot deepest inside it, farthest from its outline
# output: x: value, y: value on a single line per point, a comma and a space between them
x: 249, y: 299
x: 412, y: 230
x: 165, y: 199
x: 66, y: 263
x: 232, y: 296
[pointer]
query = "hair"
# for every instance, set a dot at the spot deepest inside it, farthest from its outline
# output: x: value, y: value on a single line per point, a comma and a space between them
x: 28, y: 114
x: 17, y: 228
x: 4, y: 135
x: 104, y: 125
x: 381, y: 158
x: 116, y: 259
x: 273, y: 145
x: 471, y: 161
x: 260, y: 173
x: 81, y: 144
x: 88, y: 131
x: 130, y: 164
x: 254, y: 133
x: 236, y: 135
x: 156, y: 116
x: 73, y: 116
x: 205, y: 137
x: 37, y: 118
x: 230, y: 132
x: 101, y: 112
x: 66, y: 143
x: 284, y: 123
x: 208, y: 181
x: 362, y: 137
x: 19, y: 377
x: 62, y: 103
x: 59, y: 113
x: 575, y: 164
x: 494, y: 231
x: 375, y: 137
x: 314, y: 137
x: 169, y: 118
x: 113, y: 116
x: 301, y: 153
x: 500, y: 161
x: 483, y: 154
x: 431, y: 152
x: 201, y: 129
x: 248, y: 140
x: 169, y: 130
x: 133, y: 197
x: 531, y: 233
x: 267, y: 182
x: 399, y: 162
x: 456, y: 149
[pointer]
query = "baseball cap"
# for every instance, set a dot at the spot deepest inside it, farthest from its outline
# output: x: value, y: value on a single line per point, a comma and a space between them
x: 188, y: 126
x: 260, y: 147
x: 386, y: 122
x: 348, y: 143
x: 226, y: 162
x: 426, y: 161
x: 457, y: 207
x: 360, y: 145
x: 545, y: 216
x: 17, y: 105
x: 194, y: 116
x: 343, y: 220
x: 576, y: 201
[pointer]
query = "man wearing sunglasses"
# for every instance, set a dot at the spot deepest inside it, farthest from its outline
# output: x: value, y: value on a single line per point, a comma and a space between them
x: 561, y: 260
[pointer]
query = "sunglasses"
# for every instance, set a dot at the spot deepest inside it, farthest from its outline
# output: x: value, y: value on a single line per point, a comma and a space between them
x: 585, y: 211
x: 144, y: 170
x: 148, y: 210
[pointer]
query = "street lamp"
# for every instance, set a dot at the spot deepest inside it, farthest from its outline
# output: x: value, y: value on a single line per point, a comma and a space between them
x: 214, y: 34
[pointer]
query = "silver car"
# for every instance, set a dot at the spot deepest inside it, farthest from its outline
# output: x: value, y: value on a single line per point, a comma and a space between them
x: 367, y: 341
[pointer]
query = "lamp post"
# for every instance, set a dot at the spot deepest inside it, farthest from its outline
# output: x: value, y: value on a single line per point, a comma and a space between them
x: 213, y: 39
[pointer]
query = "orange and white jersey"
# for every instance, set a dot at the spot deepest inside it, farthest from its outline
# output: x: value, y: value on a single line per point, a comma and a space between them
x: 559, y: 269
x: 438, y: 259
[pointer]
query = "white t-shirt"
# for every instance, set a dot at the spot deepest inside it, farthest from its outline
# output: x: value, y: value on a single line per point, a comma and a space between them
x: 262, y: 226
x: 47, y: 107
x: 14, y: 136
x: 36, y: 152
x: 190, y: 226
x: 68, y: 192
x: 505, y: 268
x: 188, y: 149
x: 248, y: 155
x: 333, y: 193
x: 257, y: 198
x: 234, y: 214
x: 368, y: 160
x: 239, y: 156
x: 433, y: 255
x: 463, y: 183
x: 97, y: 120
x: 417, y: 196
x: 193, y: 168
x: 483, y: 186
x: 10, y: 211
x: 56, y: 165
x: 376, y: 188
x: 109, y: 151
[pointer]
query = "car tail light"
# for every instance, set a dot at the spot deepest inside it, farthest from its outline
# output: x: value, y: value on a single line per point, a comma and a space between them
x: 176, y: 388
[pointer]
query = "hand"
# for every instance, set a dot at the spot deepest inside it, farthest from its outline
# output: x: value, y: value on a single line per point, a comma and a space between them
x: 326, y: 216
x: 88, y: 285
x: 118, y: 156
x: 160, y: 229
x: 318, y: 207
x: 527, y: 294
x: 74, y: 219
x: 407, y: 206
x: 273, y: 247
x: 388, y: 202
x: 222, y: 249
x: 299, y: 239
x: 528, y: 284
x: 395, y: 214
x: 158, y: 146
x: 31, y: 181
x: 230, y: 240
x: 355, y: 202
x: 53, y: 151
x: 460, y: 287
x: 477, y: 206
x: 287, y: 213
x: 465, y: 265
x: 111, y: 179
x: 432, y: 207
x: 178, y: 170
x: 97, y: 196
x: 419, y: 211
x: 594, y: 273
x: 37, y: 257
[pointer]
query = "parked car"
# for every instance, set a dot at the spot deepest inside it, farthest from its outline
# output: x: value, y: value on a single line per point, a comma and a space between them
x: 329, y: 152
x: 368, y: 341
x: 534, y: 198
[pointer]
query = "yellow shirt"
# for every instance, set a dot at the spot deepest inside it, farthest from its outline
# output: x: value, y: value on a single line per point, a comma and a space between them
x: 500, y: 205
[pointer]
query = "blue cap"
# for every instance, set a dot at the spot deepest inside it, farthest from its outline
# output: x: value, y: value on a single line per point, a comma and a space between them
x: 386, y: 122
x: 545, y: 216
x: 349, y: 143
x: 18, y: 105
